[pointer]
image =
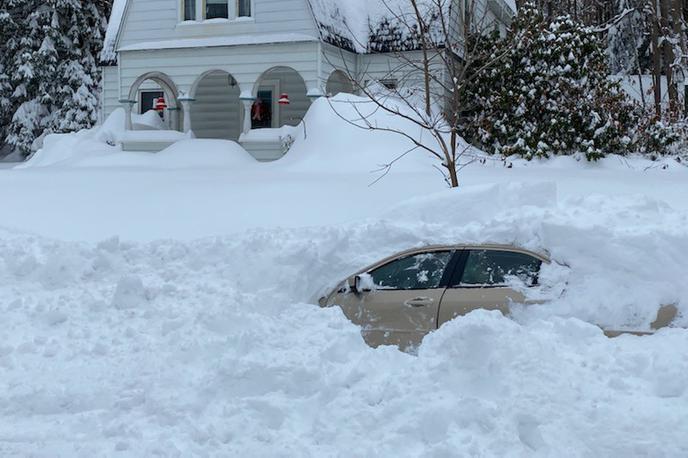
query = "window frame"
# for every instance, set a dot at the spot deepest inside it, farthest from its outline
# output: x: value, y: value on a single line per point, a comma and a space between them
x: 462, y: 261
x: 201, y: 9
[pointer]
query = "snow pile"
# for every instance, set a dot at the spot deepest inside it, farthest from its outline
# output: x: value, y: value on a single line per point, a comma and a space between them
x: 211, y: 347
x: 150, y: 120
x: 184, y: 154
x: 350, y: 148
x: 94, y: 148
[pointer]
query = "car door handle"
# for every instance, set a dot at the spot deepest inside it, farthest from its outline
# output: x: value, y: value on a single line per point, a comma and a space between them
x: 419, y: 302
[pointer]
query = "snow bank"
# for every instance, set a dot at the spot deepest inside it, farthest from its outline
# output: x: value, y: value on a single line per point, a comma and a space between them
x: 93, y: 148
x: 211, y: 347
x: 333, y: 142
x: 150, y: 120
x: 186, y: 154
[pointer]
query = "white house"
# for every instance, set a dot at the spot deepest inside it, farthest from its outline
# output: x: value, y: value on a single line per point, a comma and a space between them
x: 222, y: 66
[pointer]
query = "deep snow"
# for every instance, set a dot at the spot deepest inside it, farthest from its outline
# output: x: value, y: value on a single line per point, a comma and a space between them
x: 165, y: 306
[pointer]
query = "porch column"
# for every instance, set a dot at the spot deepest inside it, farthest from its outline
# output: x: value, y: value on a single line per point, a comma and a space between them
x: 186, y: 106
x: 173, y: 114
x: 127, y: 105
x: 248, y: 103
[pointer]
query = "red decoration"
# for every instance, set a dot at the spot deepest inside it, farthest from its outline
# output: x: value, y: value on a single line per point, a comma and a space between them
x: 160, y: 104
x: 284, y: 99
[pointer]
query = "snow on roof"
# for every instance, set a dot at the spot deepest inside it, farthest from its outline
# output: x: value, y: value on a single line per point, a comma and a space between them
x: 109, y: 54
x: 370, y: 25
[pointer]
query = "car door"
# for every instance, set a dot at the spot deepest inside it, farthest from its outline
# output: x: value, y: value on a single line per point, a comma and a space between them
x: 481, y: 279
x: 400, y: 302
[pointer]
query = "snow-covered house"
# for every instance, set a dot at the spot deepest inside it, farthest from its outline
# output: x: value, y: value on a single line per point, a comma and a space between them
x: 224, y: 66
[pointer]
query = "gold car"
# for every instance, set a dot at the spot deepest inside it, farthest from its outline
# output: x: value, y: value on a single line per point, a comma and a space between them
x: 399, y: 300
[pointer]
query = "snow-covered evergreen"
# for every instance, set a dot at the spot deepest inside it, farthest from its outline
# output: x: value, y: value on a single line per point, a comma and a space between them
x: 547, y: 94
x: 49, y: 76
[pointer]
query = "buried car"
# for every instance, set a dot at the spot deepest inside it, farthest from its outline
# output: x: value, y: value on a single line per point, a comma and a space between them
x: 400, y: 299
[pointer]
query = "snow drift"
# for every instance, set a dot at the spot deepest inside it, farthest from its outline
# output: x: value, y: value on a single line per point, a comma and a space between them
x: 211, y: 347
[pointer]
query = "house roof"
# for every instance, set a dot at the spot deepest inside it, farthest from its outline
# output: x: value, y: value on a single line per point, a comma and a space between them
x: 369, y: 25
x: 365, y: 26
x: 109, y: 53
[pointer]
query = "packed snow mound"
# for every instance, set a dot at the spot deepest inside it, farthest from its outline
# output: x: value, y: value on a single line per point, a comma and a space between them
x: 94, y: 148
x: 212, y: 347
x: 150, y: 120
x: 64, y: 150
x: 335, y: 142
x: 184, y: 154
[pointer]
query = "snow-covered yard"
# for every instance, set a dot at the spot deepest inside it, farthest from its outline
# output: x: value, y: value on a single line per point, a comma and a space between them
x: 162, y: 305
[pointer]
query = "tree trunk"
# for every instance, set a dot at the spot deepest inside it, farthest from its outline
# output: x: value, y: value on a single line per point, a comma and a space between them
x: 677, y: 13
x: 656, y: 63
x: 426, y: 60
x: 669, y: 57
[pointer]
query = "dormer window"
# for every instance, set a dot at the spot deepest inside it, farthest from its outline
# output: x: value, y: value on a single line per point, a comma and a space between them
x: 189, y: 10
x: 202, y: 10
x: 216, y: 9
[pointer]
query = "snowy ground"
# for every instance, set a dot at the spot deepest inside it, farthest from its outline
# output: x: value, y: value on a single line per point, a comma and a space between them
x: 162, y: 306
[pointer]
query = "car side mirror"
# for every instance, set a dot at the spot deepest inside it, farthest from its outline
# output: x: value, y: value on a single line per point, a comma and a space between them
x: 362, y: 284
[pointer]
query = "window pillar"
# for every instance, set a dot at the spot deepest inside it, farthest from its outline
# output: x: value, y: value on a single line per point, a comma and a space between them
x: 186, y: 106
x: 248, y: 104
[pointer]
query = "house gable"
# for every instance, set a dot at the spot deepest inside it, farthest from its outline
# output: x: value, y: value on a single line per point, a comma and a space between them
x: 149, y: 21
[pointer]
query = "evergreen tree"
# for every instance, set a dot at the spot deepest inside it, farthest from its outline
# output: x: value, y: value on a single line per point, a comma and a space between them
x: 549, y: 95
x: 49, y: 62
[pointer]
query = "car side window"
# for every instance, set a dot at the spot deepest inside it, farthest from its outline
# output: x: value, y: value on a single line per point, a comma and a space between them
x: 420, y: 271
x: 488, y: 268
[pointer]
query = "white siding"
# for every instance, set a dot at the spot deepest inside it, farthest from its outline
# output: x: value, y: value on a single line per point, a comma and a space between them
x: 110, y: 94
x: 338, y: 59
x: 245, y: 63
x: 389, y: 67
x: 158, y: 20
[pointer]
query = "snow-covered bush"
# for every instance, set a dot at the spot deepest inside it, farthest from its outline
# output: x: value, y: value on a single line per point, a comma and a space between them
x: 659, y: 138
x: 548, y: 94
x: 49, y: 76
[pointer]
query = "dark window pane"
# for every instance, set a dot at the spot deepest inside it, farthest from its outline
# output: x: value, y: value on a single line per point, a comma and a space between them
x: 148, y: 99
x: 216, y: 9
x: 490, y: 267
x: 189, y: 10
x: 261, y: 111
x: 244, y: 8
x: 421, y: 271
